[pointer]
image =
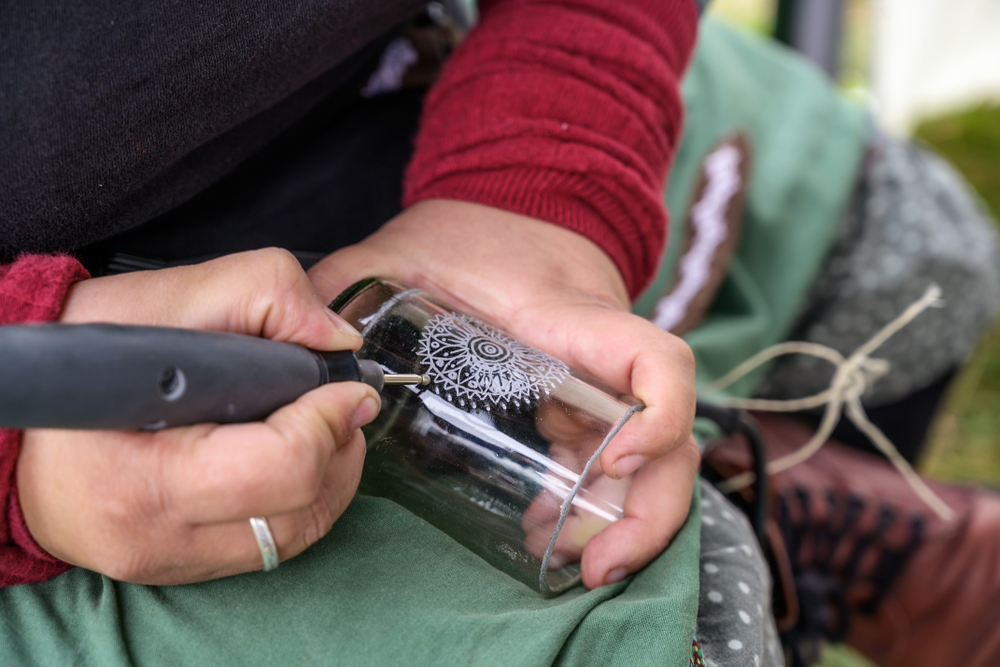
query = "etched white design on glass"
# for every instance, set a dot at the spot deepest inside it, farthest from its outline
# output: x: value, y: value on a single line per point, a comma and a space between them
x: 473, y: 364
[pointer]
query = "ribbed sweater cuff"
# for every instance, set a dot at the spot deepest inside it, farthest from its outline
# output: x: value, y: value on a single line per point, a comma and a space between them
x: 32, y: 289
x: 564, y: 110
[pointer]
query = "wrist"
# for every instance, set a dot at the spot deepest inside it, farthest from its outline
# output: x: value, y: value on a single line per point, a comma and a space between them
x: 33, y: 288
x: 498, y: 247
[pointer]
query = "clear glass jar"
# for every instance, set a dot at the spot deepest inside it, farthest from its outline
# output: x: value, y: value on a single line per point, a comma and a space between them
x: 500, y: 449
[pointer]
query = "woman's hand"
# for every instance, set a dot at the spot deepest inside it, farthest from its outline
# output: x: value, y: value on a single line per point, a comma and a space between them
x: 558, y: 291
x: 172, y: 507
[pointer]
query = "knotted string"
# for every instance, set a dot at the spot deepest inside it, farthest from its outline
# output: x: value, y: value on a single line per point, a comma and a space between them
x: 852, y: 376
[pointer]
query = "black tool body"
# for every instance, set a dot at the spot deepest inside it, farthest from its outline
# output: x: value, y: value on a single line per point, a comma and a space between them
x: 105, y: 376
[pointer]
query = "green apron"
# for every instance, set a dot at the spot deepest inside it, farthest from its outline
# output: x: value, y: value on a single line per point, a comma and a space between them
x: 806, y: 145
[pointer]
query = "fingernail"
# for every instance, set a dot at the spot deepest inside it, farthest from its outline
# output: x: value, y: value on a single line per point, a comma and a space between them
x: 341, y: 323
x: 366, y: 412
x: 616, y: 575
x: 627, y: 465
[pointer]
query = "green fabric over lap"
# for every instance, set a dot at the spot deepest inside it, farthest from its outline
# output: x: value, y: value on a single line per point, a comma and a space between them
x: 383, y: 588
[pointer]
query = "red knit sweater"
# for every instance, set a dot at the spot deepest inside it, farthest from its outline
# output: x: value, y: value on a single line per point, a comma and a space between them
x: 31, y: 290
x: 564, y: 110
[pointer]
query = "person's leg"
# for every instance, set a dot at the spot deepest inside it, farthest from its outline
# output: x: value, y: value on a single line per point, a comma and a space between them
x: 905, y: 422
x: 735, y: 619
x: 913, y: 221
x: 860, y: 558
x: 382, y: 588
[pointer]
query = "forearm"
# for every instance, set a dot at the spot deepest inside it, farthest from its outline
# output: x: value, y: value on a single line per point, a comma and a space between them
x: 32, y: 289
x: 568, y: 112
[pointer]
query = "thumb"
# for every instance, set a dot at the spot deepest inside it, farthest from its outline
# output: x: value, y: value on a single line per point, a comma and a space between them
x: 283, y: 304
x: 258, y: 293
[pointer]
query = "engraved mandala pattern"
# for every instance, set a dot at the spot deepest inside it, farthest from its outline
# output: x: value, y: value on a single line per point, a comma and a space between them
x: 474, y: 365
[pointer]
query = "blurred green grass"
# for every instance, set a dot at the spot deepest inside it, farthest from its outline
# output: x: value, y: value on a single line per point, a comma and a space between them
x: 963, y: 443
x: 971, y: 140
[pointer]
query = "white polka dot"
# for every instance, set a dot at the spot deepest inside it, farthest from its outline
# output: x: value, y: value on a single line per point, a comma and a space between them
x: 760, y: 610
x: 735, y: 644
x: 711, y: 568
x: 708, y: 521
x: 711, y: 663
x: 745, y: 617
x: 727, y: 515
x: 715, y: 596
x: 744, y: 588
x: 706, y: 503
x: 756, y: 661
x: 746, y: 549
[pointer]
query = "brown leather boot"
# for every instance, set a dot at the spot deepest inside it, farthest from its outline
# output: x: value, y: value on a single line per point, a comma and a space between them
x: 858, y: 557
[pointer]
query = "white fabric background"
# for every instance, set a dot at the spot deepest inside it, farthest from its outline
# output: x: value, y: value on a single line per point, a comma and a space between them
x: 932, y: 56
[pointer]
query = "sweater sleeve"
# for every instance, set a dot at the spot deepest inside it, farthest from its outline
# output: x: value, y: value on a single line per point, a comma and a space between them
x: 564, y: 110
x: 32, y: 289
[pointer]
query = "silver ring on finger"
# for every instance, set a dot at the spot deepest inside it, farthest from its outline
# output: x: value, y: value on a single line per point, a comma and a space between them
x: 265, y: 542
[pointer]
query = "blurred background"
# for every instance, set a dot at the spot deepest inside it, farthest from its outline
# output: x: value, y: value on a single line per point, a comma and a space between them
x: 928, y: 70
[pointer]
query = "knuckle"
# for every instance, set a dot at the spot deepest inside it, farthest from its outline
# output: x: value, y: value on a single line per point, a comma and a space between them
x: 343, y: 430
x: 130, y: 505
x: 136, y: 567
x: 285, y: 270
x: 690, y: 452
x: 303, y: 474
x: 318, y: 521
x: 277, y: 258
x: 335, y: 409
x: 361, y: 447
x: 280, y: 283
x: 681, y: 351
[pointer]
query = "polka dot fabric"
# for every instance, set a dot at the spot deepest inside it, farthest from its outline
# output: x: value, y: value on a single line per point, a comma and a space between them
x: 735, y: 624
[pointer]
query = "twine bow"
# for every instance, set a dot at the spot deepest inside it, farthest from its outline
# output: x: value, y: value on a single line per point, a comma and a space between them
x: 852, y: 377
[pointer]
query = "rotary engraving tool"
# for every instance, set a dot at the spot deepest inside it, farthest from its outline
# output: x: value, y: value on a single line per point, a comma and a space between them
x: 106, y: 376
